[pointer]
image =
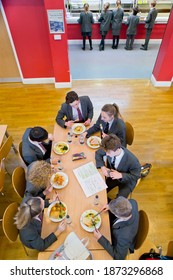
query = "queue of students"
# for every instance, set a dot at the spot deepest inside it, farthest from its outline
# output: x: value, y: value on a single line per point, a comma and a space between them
x: 113, y: 20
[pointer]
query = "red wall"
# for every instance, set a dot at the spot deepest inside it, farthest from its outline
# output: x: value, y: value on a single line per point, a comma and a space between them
x: 163, y: 69
x: 27, y: 21
x: 74, y: 32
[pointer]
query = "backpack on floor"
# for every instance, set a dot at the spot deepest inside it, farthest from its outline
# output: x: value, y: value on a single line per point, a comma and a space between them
x: 145, y: 169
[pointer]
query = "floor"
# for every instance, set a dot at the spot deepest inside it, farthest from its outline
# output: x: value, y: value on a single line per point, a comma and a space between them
x: 112, y: 64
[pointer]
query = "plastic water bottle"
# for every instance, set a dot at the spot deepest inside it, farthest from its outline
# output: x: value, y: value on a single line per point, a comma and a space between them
x: 69, y: 137
x: 81, y: 139
x: 68, y: 219
x: 96, y: 200
x: 59, y: 163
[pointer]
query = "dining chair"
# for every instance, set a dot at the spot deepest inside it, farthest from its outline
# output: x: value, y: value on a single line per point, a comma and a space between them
x: 170, y: 249
x: 2, y: 179
x: 19, y: 181
x: 5, y: 148
x: 9, y: 228
x: 143, y: 229
x: 129, y: 133
x: 21, y: 154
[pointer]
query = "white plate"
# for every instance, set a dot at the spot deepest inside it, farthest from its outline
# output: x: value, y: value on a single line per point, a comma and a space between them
x: 79, y: 126
x: 53, y: 219
x: 85, y: 227
x: 55, y: 184
x: 92, y: 138
x: 58, y: 148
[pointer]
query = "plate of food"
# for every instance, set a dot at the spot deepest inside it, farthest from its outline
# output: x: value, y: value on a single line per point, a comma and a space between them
x: 88, y: 222
x: 59, y: 180
x: 78, y: 128
x: 61, y: 148
x: 57, y: 211
x: 94, y: 142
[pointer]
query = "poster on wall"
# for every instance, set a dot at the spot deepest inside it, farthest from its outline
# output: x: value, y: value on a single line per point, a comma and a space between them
x: 56, y: 21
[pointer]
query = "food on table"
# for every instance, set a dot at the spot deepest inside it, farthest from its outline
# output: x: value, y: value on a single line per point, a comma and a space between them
x: 58, y: 179
x: 94, y: 141
x: 89, y: 221
x: 61, y: 148
x: 78, y: 129
x: 58, y: 211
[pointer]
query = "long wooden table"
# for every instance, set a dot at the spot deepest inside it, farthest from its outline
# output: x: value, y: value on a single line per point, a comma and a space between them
x: 73, y: 196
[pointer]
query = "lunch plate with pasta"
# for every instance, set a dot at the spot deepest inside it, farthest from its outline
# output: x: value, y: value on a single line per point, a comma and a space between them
x: 61, y: 148
x: 57, y: 211
x: 78, y: 128
x: 88, y: 222
x: 59, y: 180
x: 94, y: 142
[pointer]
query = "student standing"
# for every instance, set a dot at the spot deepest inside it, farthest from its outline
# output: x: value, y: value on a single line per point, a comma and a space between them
x: 105, y: 21
x: 132, y: 22
x: 117, y: 18
x: 149, y: 23
x: 86, y: 20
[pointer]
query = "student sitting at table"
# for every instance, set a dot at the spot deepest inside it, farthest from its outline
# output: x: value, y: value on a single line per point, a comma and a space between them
x: 124, y: 220
x: 120, y: 167
x: 36, y: 144
x: 29, y: 223
x: 79, y: 109
x: 109, y: 121
x: 38, y: 180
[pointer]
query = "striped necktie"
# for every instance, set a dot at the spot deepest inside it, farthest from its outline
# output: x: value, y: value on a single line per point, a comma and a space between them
x: 113, y: 162
x: 106, y: 128
x: 79, y: 115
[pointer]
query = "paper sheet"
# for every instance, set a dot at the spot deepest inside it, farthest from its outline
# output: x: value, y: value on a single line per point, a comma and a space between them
x: 90, y: 179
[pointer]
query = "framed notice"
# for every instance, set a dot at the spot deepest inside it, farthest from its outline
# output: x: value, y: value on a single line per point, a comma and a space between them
x: 56, y: 21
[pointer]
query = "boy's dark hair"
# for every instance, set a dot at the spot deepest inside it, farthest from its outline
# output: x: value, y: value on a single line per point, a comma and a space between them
x: 111, y: 142
x: 38, y: 134
x: 71, y: 97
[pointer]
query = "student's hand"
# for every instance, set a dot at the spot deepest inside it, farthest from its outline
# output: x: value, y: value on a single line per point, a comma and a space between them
x: 97, y: 234
x: 62, y: 226
x: 104, y: 135
x: 50, y: 137
x: 105, y: 208
x: 114, y: 174
x: 69, y: 123
x: 48, y: 190
x: 54, y: 197
x: 87, y: 122
x: 84, y: 134
x: 105, y: 171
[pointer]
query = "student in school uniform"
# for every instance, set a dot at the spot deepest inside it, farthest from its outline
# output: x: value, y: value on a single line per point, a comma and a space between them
x: 132, y: 22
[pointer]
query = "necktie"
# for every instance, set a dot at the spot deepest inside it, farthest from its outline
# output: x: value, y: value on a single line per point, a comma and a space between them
x: 79, y: 115
x: 113, y: 163
x: 106, y: 128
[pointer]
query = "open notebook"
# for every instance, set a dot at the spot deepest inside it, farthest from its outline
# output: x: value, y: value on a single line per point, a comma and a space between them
x: 72, y: 249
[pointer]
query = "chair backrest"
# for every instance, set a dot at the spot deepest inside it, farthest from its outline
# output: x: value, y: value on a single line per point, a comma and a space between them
x: 170, y: 249
x: 129, y: 133
x: 143, y: 229
x: 19, y: 181
x: 9, y: 228
x: 2, y: 179
x: 5, y: 148
x: 21, y: 154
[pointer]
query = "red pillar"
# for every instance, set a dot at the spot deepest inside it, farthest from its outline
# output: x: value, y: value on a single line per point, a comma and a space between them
x: 163, y: 70
x: 59, y: 48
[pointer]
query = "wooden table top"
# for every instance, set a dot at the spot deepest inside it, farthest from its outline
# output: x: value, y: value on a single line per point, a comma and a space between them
x: 3, y: 129
x: 73, y: 196
x: 96, y: 255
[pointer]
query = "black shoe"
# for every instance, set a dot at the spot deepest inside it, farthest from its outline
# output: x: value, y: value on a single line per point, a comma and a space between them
x: 113, y: 47
x: 83, y: 48
x: 116, y: 47
x: 143, y: 48
x: 91, y: 48
x: 143, y: 45
x: 101, y: 48
x: 126, y: 48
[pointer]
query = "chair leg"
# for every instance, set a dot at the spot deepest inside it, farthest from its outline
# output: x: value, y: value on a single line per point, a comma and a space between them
x: 25, y: 250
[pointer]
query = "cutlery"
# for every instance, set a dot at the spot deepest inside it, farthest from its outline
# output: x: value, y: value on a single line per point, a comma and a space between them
x: 98, y: 213
x: 58, y: 197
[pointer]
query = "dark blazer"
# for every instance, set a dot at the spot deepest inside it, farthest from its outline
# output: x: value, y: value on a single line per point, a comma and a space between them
x: 129, y: 166
x: 86, y: 20
x: 105, y: 21
x: 151, y: 17
x: 123, y: 235
x: 30, y: 236
x: 118, y: 128
x: 132, y: 22
x: 66, y: 111
x: 117, y: 18
x: 30, y: 152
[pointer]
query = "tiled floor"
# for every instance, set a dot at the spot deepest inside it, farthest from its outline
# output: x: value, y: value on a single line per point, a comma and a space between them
x: 112, y: 64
